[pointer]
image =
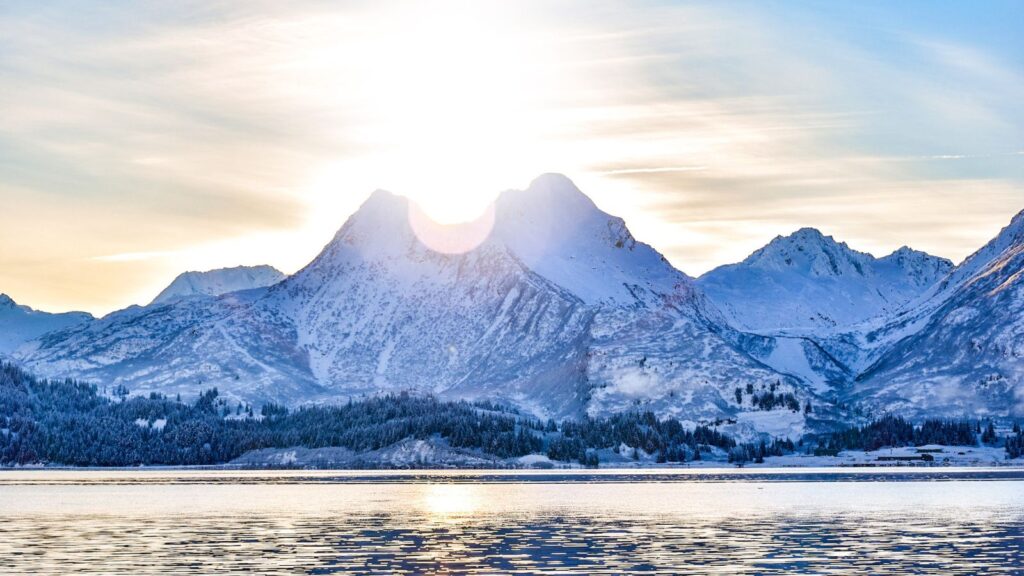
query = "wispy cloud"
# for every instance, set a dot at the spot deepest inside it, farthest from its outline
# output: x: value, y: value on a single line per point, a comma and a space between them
x: 140, y: 140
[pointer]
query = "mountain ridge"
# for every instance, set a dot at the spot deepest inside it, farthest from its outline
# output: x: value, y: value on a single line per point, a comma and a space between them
x: 807, y: 281
x: 559, y: 310
x: 546, y: 303
x: 20, y: 323
x: 218, y: 282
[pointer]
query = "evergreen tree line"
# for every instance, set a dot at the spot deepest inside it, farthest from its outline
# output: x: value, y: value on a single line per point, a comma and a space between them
x: 71, y: 423
x: 757, y: 452
x: 768, y: 400
x: 1015, y: 443
x: 667, y: 440
x: 894, y: 431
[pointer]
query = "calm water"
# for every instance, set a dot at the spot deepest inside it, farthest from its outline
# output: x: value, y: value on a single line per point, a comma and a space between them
x: 822, y: 522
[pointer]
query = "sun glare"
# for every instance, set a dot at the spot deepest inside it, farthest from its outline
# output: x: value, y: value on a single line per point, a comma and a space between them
x: 450, y: 501
x: 452, y: 101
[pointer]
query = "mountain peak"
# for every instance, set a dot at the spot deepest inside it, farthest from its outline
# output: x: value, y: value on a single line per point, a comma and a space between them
x: 1011, y: 236
x: 809, y: 251
x: 905, y: 255
x: 809, y: 280
x: 553, y: 194
x: 19, y: 323
x: 218, y: 282
x: 1015, y: 228
x: 382, y: 197
x: 809, y: 233
x: 905, y: 251
x: 551, y: 227
x: 560, y: 233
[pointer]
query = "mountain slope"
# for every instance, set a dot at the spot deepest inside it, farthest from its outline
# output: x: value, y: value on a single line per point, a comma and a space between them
x: 960, y: 349
x: 19, y: 324
x: 184, y: 347
x: 217, y: 282
x: 807, y: 282
x: 559, y: 310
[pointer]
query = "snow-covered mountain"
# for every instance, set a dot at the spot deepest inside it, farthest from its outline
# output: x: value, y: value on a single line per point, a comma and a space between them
x: 807, y: 283
x: 19, y: 324
x: 959, y: 349
x: 559, y: 310
x: 218, y: 282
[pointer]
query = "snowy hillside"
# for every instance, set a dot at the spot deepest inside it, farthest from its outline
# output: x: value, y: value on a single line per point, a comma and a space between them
x: 218, y: 282
x: 809, y: 283
x: 19, y: 324
x: 558, y: 311
x: 960, y: 349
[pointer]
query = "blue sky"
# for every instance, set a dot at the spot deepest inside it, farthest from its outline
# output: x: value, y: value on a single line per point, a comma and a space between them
x: 140, y: 140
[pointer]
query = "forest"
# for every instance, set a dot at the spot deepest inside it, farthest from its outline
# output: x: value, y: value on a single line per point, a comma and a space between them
x: 894, y: 431
x: 71, y: 423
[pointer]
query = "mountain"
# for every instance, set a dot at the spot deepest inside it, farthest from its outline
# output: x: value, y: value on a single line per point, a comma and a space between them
x: 558, y: 310
x: 959, y: 349
x: 809, y: 283
x: 19, y: 324
x: 217, y: 282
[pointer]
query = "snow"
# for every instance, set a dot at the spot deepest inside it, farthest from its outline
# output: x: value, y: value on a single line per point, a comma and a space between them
x: 218, y: 282
x: 943, y: 456
x: 435, y: 453
x: 157, y: 425
x: 775, y: 423
x: 790, y: 357
x: 561, y: 311
x: 408, y: 453
x: 808, y: 283
x: 20, y: 324
x: 558, y: 232
x: 956, y: 350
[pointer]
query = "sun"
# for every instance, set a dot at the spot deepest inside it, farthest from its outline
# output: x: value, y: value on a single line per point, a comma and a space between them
x: 453, y: 101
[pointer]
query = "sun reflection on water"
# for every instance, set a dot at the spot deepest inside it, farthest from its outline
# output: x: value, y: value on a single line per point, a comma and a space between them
x: 450, y: 502
x: 416, y: 522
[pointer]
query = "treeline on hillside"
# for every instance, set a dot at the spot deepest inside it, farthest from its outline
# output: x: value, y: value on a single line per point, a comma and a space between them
x: 894, y: 431
x: 70, y: 423
x: 1015, y: 443
x: 667, y: 440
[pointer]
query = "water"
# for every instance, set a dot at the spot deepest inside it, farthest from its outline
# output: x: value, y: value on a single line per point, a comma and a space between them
x: 217, y: 522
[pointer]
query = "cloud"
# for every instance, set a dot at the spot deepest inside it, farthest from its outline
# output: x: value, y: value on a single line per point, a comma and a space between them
x: 138, y: 139
x: 133, y: 256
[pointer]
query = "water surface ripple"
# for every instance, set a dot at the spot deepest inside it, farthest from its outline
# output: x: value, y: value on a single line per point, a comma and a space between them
x: 685, y: 522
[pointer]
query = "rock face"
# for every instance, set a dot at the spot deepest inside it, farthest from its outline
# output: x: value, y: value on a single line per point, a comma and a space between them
x: 218, y: 282
x: 19, y: 324
x: 809, y: 283
x: 558, y: 310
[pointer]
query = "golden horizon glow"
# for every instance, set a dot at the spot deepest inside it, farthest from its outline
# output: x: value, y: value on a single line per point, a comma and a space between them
x: 145, y: 141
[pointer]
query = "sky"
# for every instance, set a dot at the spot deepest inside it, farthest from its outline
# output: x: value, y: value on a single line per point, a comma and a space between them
x: 140, y: 140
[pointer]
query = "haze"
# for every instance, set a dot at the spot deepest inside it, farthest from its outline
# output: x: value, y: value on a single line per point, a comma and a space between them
x: 139, y: 141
